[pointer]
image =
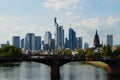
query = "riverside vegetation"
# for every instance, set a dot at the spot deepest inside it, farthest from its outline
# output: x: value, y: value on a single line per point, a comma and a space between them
x: 89, y: 54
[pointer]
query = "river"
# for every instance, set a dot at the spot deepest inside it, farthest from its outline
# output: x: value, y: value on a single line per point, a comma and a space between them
x: 38, y: 71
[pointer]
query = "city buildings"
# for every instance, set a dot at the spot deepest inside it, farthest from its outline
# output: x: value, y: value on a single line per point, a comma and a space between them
x: 72, y: 39
x: 37, y: 43
x: 30, y: 42
x: 59, y: 36
x: 22, y: 44
x: 79, y: 42
x: 16, y: 41
x: 110, y: 40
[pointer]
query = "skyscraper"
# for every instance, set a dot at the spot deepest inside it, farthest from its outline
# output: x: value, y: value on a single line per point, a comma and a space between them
x: 110, y: 40
x: 47, y: 39
x: 16, y: 41
x: 79, y: 42
x: 22, y: 44
x: 59, y: 36
x: 72, y: 39
x: 37, y: 43
x: 30, y: 42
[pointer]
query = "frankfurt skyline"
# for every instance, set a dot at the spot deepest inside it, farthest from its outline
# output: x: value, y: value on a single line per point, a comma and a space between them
x: 19, y: 17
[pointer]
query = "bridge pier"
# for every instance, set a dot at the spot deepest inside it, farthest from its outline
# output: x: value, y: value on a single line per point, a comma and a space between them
x: 55, y: 70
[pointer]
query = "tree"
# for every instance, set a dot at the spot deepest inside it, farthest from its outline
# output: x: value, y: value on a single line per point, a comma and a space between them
x: 116, y: 51
x: 10, y: 52
x: 106, y: 51
x: 96, y: 56
x: 88, y: 53
x: 81, y: 53
x: 67, y: 52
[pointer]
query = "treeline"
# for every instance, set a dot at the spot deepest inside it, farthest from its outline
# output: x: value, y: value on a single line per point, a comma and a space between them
x: 10, y: 52
x: 106, y: 52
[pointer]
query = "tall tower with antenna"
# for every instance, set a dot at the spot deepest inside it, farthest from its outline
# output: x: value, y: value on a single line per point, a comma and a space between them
x: 59, y: 35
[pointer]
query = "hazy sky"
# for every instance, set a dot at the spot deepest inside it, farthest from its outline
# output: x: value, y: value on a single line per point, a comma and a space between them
x: 18, y: 17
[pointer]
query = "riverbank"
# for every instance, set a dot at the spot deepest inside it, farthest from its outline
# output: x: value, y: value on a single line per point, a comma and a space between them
x: 99, y: 64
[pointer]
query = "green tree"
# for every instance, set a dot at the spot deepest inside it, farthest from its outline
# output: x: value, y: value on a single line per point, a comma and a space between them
x: 116, y: 51
x: 89, y: 53
x: 80, y: 53
x: 67, y: 52
x: 96, y: 56
x: 10, y: 51
x: 106, y: 51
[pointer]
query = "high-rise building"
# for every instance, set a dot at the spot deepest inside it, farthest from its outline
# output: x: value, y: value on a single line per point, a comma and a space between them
x: 22, y: 44
x: 52, y: 45
x: 66, y: 43
x: 79, y: 42
x: 72, y: 39
x: 30, y: 42
x: 16, y: 41
x: 47, y: 37
x: 59, y: 36
x: 110, y: 40
x: 86, y: 45
x: 37, y: 43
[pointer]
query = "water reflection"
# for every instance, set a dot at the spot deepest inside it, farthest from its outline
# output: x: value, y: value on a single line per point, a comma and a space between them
x: 77, y: 71
x: 38, y: 71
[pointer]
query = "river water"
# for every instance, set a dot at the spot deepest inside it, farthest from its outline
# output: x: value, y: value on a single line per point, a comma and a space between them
x: 38, y: 71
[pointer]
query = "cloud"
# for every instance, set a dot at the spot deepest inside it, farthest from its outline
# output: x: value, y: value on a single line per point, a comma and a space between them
x: 91, y: 23
x: 61, y: 4
x: 110, y: 21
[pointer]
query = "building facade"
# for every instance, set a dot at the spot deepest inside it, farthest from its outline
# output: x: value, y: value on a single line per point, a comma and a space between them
x: 37, y: 43
x: 86, y: 45
x: 59, y: 36
x: 47, y: 39
x: 72, y: 39
x: 110, y: 40
x: 79, y: 42
x: 96, y: 40
x: 16, y: 41
x: 30, y: 42
x: 22, y: 44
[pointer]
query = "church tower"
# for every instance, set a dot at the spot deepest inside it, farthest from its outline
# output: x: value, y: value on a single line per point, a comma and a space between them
x: 96, y: 40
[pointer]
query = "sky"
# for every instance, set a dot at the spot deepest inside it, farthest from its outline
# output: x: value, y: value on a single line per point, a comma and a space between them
x: 19, y: 17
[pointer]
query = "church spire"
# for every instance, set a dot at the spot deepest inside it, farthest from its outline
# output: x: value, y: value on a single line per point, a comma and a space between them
x: 96, y: 32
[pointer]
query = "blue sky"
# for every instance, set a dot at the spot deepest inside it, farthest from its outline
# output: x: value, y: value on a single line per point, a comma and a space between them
x: 18, y: 17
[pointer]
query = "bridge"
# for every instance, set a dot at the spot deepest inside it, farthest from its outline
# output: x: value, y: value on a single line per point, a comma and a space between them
x: 55, y: 61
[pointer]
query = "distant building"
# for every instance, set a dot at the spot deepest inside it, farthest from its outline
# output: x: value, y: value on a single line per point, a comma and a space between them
x: 110, y: 40
x: 37, y: 43
x: 30, y: 42
x: 79, y: 42
x: 86, y: 45
x: 52, y: 45
x: 47, y: 39
x: 22, y: 44
x: 2, y: 45
x: 8, y: 43
x: 59, y: 36
x: 72, y: 39
x: 66, y: 43
x: 97, y: 40
x: 16, y: 41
